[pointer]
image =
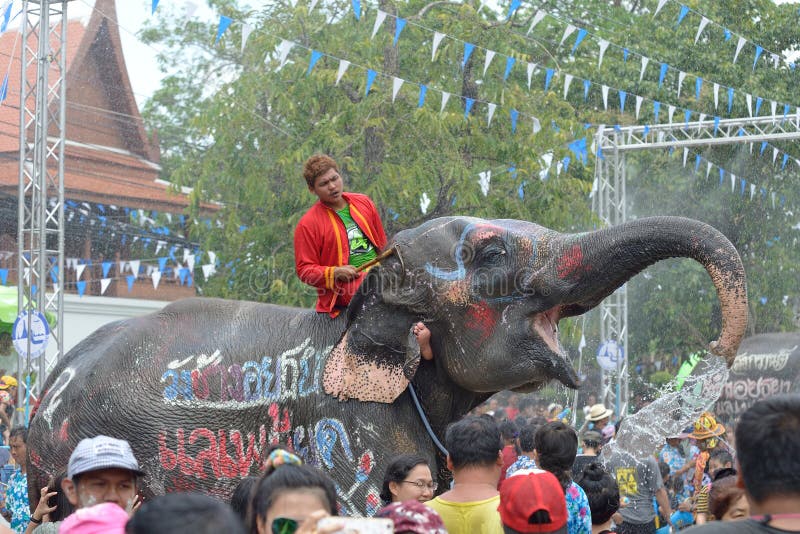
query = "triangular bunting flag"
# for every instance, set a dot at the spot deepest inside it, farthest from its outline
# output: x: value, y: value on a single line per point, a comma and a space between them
x: 730, y: 99
x: 398, y: 28
x: 208, y: 270
x: 509, y: 65
x: 569, y: 30
x: 155, y: 276
x: 489, y: 56
x: 356, y: 8
x: 312, y: 5
x: 445, y: 98
x: 371, y: 74
x: 378, y: 22
x: 3, y: 276
x: 603, y: 47
x: 586, y: 85
x: 759, y: 101
x: 639, y: 100
x: 684, y: 11
x: 622, y: 96
x: 703, y: 23
x: 662, y: 74
x: 514, y: 114
x: 671, y: 109
x: 492, y: 108
x: 604, y: 90
x: 246, y: 31
x: 423, y: 89
x: 537, y: 18
x: 548, y: 77
x: 685, y: 155
x: 81, y: 286
x: 134, y: 265
x: 315, y: 55
x: 660, y: 5
x: 79, y: 270
x: 716, y: 96
x: 645, y: 61
x: 530, y: 69
x: 484, y: 180
x: 513, y: 7
x: 343, y: 64
x: 104, y: 283
x: 152, y: 10
x: 283, y: 53
x: 468, y: 102
x: 698, y: 86
x: 708, y: 169
x: 752, y: 190
x: 162, y: 263
x: 397, y: 83
x: 106, y: 268
x: 468, y: 48
x: 567, y: 82
x: 224, y: 23
x: 581, y: 36
x: 437, y: 38
x: 656, y: 110
x: 739, y: 46
x: 131, y: 279
x: 537, y: 126
x: 749, y: 99
x: 759, y: 50
x: 681, y: 77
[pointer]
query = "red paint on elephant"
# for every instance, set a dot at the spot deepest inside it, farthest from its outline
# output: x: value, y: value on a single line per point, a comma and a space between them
x: 481, y: 318
x: 571, y: 263
x: 63, y: 433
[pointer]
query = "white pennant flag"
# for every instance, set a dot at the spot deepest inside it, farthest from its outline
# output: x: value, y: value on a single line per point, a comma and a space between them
x: 603, y: 47
x: 537, y: 18
x: 378, y: 22
x: 716, y: 96
x: 445, y: 98
x: 104, y: 283
x: 733, y: 183
x: 190, y: 261
x: 312, y: 5
x: 645, y: 61
x: 492, y: 107
x: 537, y: 126
x: 604, y: 90
x: 702, y: 118
x: 739, y: 46
x: 567, y: 82
x: 122, y: 267
x: 703, y: 23
x: 343, y: 64
x: 134, y: 265
x: 208, y: 270
x: 749, y: 98
x: 397, y: 83
x: 437, y: 39
x: 186, y: 252
x: 159, y: 245
x: 774, y: 155
x: 484, y: 181
x: 708, y: 169
x: 681, y: 77
x: 531, y: 67
x: 283, y: 51
x: 246, y: 31
x: 660, y: 5
x: 773, y: 108
x: 570, y: 29
x: 752, y: 190
x: 212, y: 256
x: 685, y: 155
x: 773, y: 199
x: 775, y: 60
x: 671, y: 113
x: 638, y: 104
x: 489, y: 56
x: 79, y: 270
x: 424, y: 202
x: 156, y: 277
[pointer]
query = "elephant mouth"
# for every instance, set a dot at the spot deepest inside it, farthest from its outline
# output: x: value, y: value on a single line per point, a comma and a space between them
x: 545, y: 325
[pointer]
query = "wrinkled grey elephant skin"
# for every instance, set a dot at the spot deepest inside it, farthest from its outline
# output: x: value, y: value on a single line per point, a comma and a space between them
x: 203, y: 387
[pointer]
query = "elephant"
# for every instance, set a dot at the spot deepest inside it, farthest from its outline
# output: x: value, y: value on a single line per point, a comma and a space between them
x: 203, y: 387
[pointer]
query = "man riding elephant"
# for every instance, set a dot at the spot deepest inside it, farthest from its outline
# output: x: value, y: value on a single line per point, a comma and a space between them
x: 201, y: 388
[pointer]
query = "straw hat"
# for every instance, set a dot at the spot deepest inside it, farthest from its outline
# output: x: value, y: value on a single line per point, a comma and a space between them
x: 707, y: 427
x: 598, y: 412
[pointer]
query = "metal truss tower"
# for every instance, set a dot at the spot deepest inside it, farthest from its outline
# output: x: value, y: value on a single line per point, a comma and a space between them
x: 609, y: 201
x: 40, y: 222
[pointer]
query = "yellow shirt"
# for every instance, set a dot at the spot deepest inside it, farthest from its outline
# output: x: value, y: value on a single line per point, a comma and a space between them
x: 475, y: 517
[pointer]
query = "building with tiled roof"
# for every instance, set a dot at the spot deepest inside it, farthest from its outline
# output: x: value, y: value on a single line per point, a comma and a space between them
x: 111, y: 166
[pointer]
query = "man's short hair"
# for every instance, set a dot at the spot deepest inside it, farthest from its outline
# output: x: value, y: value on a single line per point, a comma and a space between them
x: 526, y: 434
x: 19, y: 432
x: 722, y: 456
x: 768, y: 447
x: 473, y: 441
x: 508, y: 430
x: 184, y: 513
x: 316, y: 166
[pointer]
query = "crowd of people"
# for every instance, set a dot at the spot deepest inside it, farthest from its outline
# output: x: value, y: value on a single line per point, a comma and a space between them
x: 508, y: 476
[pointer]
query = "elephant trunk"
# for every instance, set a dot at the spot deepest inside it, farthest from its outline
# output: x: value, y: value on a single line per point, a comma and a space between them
x: 592, y: 266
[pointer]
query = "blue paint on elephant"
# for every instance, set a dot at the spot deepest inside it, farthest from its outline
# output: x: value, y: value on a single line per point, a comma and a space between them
x: 327, y: 432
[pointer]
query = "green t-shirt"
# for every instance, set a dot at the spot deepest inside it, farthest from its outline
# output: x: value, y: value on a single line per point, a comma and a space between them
x: 361, y: 250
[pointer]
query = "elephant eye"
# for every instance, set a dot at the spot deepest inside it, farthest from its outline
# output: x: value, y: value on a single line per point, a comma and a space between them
x: 493, y: 254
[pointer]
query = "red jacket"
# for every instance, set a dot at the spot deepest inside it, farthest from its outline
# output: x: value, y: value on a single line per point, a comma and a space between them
x: 320, y: 245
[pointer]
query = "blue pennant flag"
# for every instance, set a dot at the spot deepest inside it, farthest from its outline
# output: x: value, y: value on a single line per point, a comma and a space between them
x: 687, y: 114
x: 625, y: 53
x: 565, y: 163
x: 698, y: 85
x: 716, y: 125
x: 622, y: 96
x: 578, y: 148
x: 54, y: 274
x: 6, y: 18
x: 730, y: 99
x: 586, y: 85
x: 509, y: 65
x: 514, y: 114
x: 682, y: 14
x: 3, y: 276
x: 785, y: 159
x: 155, y: 5
x: 401, y: 23
x: 422, y: 90
x: 172, y: 250
x: 513, y: 7
x: 33, y: 290
x: 224, y: 23
x: 357, y: 9
x: 783, y: 200
x: 763, y: 147
x: 727, y: 33
x: 513, y: 172
x: 721, y: 176
x: 663, y: 74
x: 763, y: 300
x: 581, y: 36
x: 131, y: 278
x: 646, y: 129
x: 759, y: 101
x: 162, y: 263
x: 107, y: 267
x: 4, y: 89
x: 521, y: 191
x: 370, y: 79
x: 468, y: 48
x: 656, y: 110
x: 696, y: 162
x: 468, y: 106
x: 759, y: 50
x: 740, y: 132
x: 183, y: 272
x: 785, y: 111
x: 548, y: 77
x: 743, y: 185
x: 81, y: 285
x: 315, y: 55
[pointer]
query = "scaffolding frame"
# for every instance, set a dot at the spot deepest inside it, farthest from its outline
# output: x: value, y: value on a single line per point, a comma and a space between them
x: 40, y: 222
x: 609, y: 201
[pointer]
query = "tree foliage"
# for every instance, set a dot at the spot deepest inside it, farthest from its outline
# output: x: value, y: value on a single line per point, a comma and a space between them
x: 237, y: 126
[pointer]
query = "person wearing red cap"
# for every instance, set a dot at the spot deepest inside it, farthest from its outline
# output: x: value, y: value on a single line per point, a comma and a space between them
x: 531, y: 500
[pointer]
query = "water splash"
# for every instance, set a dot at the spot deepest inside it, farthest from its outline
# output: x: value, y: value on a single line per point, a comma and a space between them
x: 642, y: 433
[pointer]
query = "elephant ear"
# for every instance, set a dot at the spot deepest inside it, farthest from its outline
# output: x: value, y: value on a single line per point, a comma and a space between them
x: 376, y: 357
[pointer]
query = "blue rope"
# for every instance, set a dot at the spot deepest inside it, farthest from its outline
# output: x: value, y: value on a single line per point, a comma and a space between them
x: 425, y: 420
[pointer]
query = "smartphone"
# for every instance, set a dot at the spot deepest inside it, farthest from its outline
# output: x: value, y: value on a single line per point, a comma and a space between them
x: 360, y: 525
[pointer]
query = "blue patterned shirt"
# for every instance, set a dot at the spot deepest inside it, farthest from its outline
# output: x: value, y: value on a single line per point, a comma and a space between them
x: 579, y: 516
x: 523, y: 462
x: 17, y: 501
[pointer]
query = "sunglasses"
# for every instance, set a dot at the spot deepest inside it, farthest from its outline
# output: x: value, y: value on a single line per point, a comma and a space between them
x: 284, y: 525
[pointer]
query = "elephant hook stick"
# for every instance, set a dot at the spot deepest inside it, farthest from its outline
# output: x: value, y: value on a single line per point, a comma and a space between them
x: 382, y: 256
